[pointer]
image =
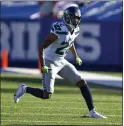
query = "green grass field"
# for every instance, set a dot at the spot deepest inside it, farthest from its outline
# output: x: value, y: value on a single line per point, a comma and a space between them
x: 66, y: 106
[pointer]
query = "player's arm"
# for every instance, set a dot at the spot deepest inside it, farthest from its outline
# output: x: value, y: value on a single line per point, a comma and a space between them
x: 73, y: 50
x: 51, y: 38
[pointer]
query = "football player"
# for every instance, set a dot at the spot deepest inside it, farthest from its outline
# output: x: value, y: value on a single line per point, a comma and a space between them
x: 52, y: 52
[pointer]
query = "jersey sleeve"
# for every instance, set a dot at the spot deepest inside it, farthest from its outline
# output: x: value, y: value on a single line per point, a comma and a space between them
x: 58, y: 29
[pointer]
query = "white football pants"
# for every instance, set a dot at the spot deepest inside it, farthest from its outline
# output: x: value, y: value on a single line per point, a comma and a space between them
x: 64, y: 69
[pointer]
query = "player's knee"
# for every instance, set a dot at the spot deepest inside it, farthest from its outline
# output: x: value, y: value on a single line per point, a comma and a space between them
x: 81, y: 83
x: 46, y: 95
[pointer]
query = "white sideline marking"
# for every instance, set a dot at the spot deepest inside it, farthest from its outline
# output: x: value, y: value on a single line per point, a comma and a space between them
x: 92, y: 77
x: 87, y: 75
x: 49, y: 114
x: 38, y: 121
x: 52, y: 107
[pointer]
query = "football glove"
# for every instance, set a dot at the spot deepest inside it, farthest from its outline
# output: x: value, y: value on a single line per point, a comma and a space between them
x: 78, y: 61
x: 45, y: 69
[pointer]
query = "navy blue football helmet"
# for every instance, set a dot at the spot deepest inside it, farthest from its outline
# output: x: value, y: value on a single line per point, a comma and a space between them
x: 72, y: 16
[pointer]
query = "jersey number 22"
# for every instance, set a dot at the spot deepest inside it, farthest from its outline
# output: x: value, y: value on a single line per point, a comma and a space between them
x: 62, y: 50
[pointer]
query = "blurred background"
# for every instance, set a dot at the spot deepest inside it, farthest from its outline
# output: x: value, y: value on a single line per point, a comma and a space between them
x: 25, y: 24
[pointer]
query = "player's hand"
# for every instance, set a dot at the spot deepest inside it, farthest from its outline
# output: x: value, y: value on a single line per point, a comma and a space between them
x: 45, y: 69
x: 78, y: 61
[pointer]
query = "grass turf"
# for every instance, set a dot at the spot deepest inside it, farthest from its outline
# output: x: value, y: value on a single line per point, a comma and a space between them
x: 66, y: 106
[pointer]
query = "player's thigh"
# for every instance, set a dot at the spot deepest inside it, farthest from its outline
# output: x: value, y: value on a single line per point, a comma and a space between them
x: 70, y: 73
x: 48, y: 79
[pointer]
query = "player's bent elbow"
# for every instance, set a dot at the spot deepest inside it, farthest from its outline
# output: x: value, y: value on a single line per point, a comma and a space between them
x: 40, y: 50
x: 41, y: 47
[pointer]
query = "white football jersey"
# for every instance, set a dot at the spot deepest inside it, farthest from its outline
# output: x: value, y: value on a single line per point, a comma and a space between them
x: 58, y: 49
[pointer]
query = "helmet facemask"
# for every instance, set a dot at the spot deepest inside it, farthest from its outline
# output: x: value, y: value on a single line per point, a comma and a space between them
x: 72, y: 20
x: 75, y: 20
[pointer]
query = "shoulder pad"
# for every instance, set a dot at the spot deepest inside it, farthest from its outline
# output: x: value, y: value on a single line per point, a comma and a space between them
x: 59, y: 28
